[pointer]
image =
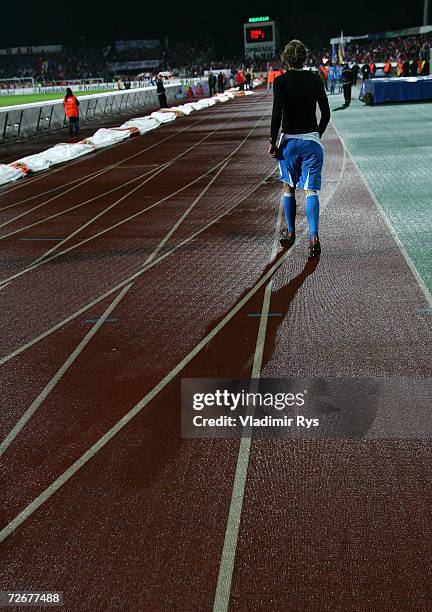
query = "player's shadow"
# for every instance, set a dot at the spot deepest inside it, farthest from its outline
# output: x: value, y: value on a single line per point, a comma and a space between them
x: 339, y: 108
x: 231, y: 353
x: 346, y: 409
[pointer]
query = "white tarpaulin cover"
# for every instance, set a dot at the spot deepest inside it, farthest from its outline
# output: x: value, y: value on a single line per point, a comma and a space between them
x: 103, y: 137
x: 143, y: 124
x: 186, y: 109
x: 9, y: 174
x: 163, y: 117
x: 222, y: 98
x: 56, y: 155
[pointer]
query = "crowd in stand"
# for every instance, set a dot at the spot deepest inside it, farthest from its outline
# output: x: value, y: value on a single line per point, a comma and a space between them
x: 71, y: 63
x: 194, y: 57
x: 391, y: 49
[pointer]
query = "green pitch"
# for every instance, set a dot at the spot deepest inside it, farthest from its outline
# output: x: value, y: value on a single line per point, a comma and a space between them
x: 391, y: 144
x: 30, y: 98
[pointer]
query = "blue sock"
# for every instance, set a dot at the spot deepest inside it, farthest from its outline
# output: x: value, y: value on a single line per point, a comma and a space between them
x: 312, y: 214
x: 290, y: 211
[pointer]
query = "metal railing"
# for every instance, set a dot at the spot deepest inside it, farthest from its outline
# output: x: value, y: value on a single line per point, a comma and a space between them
x: 31, y: 120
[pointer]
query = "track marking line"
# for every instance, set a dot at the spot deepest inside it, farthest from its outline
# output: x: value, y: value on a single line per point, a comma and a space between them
x: 134, y: 276
x: 96, y: 172
x: 68, y: 165
x: 38, y: 177
x: 156, y: 173
x: 384, y: 217
x: 139, y: 272
x: 63, y: 212
x: 92, y: 177
x: 48, y: 259
x: 226, y: 567
x: 121, y: 423
x: 94, y: 198
x: 59, y: 374
x: 98, y: 322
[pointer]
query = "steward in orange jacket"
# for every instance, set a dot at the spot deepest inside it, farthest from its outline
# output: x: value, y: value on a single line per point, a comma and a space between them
x: 71, y: 104
x: 387, y: 68
x: 240, y: 80
x: 270, y: 79
x: 324, y: 75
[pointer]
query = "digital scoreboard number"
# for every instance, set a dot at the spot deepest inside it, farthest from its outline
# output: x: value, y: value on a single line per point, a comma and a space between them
x: 260, y: 37
x: 257, y: 34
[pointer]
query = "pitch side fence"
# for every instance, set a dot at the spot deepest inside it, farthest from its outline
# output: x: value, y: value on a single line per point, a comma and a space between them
x: 33, y: 119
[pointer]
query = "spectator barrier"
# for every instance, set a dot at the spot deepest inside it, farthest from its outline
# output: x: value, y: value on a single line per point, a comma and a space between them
x: 40, y: 117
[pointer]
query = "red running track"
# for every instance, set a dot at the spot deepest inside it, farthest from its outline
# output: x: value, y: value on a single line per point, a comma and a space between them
x: 136, y: 519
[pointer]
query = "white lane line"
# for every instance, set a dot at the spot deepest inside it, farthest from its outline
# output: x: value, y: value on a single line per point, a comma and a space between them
x: 226, y: 567
x: 29, y: 181
x: 161, y: 168
x: 186, y: 213
x: 78, y: 350
x: 143, y: 269
x: 155, y: 173
x: 134, y: 276
x: 93, y: 199
x: 44, y: 261
x: 44, y: 174
x: 105, y: 193
x: 59, y: 374
x: 96, y: 172
x: 121, y: 423
x: 384, y: 217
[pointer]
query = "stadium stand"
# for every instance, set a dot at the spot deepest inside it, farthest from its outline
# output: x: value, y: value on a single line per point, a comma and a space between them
x: 393, y: 49
x: 192, y: 57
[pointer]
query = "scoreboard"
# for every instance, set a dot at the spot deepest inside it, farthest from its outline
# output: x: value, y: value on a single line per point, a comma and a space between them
x: 260, y: 37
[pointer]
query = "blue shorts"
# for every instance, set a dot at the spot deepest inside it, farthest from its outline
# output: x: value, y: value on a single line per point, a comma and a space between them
x: 302, y: 163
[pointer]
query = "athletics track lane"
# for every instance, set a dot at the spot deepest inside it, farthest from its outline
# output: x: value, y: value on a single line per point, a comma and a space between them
x: 145, y: 519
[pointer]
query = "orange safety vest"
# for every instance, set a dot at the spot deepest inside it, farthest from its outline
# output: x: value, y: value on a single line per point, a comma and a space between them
x: 271, y: 76
x: 71, y: 107
x: 387, y: 67
x: 324, y: 71
x: 399, y: 68
x: 372, y: 67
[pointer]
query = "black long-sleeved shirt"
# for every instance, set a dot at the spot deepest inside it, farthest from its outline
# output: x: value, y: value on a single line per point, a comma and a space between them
x: 296, y: 94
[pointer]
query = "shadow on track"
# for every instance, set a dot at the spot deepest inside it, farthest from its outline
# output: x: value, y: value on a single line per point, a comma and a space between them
x: 230, y: 354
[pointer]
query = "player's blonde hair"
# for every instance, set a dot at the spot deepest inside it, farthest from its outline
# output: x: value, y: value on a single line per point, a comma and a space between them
x: 294, y: 54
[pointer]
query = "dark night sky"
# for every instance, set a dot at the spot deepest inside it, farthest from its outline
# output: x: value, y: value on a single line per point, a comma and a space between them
x: 312, y: 21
